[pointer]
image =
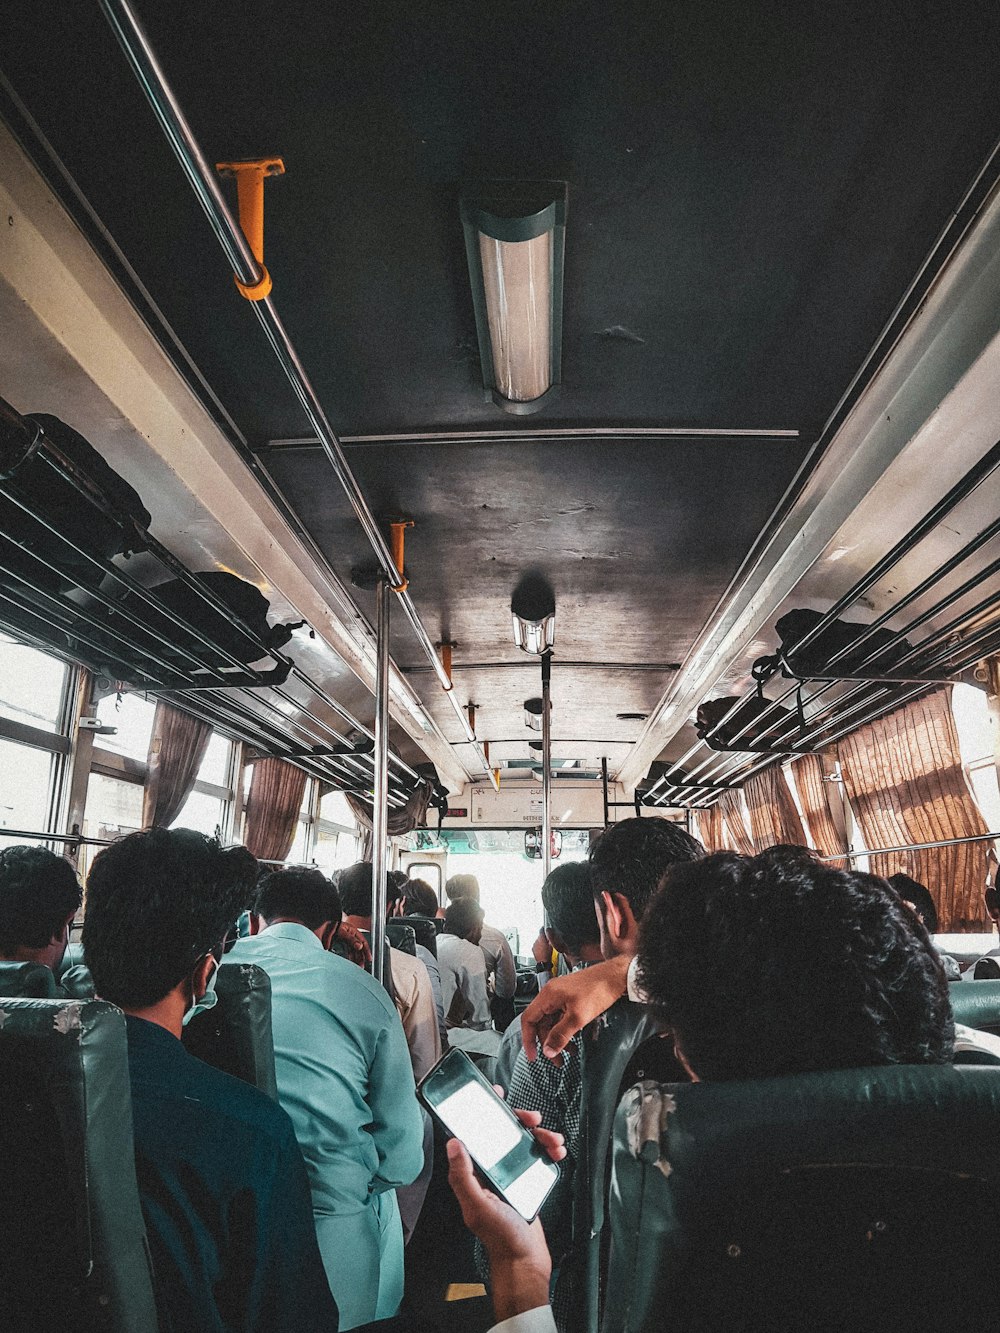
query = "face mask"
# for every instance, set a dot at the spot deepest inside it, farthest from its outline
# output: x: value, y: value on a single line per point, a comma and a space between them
x: 208, y: 1001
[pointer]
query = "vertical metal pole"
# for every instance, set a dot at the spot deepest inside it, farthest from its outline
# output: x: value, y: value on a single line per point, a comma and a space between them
x: 380, y: 798
x: 604, y: 784
x: 546, y: 765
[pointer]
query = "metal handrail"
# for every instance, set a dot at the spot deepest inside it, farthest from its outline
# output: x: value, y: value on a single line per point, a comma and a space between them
x: 913, y: 847
x: 153, y: 81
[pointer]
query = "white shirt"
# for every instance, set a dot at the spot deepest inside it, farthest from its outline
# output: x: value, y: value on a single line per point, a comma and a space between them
x: 463, y: 971
x: 499, y: 962
x: 539, y: 1320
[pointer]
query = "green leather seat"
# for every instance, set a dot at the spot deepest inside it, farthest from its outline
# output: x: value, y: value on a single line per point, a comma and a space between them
x: 402, y: 936
x: 236, y: 1035
x: 74, y: 1251
x: 27, y: 981
x: 976, y: 1004
x: 855, y: 1200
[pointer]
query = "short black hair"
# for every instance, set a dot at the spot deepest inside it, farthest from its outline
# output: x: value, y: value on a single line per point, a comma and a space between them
x: 157, y: 902
x: 419, y: 898
x: 244, y: 869
x: 300, y: 893
x: 462, y: 886
x: 568, y: 898
x: 912, y: 891
x: 764, y: 968
x: 461, y: 917
x: 355, y: 887
x: 630, y: 857
x: 39, y: 892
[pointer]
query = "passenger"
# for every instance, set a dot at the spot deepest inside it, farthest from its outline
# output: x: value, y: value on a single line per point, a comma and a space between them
x: 419, y: 899
x: 463, y: 979
x: 918, y: 898
x: 759, y: 968
x: 244, y: 868
x: 554, y: 1091
x: 987, y: 968
x: 501, y: 971
x: 410, y: 979
x: 344, y: 1076
x: 222, y: 1183
x: 39, y: 897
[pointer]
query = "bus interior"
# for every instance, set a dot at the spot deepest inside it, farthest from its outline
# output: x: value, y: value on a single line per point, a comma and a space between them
x: 512, y: 420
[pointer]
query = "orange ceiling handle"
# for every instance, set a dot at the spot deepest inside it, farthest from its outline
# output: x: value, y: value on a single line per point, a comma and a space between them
x: 496, y: 776
x: 250, y: 176
x: 446, y: 650
x: 396, y: 544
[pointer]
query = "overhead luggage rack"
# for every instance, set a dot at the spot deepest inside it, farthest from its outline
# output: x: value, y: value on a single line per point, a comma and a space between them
x: 872, y: 671
x: 44, y: 602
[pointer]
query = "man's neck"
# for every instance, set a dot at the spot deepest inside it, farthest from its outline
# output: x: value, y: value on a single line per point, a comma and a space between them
x: 44, y: 957
x: 168, y: 1013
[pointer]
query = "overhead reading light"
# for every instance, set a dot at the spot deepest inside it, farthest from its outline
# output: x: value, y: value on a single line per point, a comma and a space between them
x: 533, y: 614
x: 515, y: 234
x: 533, y: 714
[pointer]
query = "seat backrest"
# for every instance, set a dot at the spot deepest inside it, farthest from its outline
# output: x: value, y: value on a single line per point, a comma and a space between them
x: 855, y: 1199
x: 27, y: 981
x: 976, y: 1004
x: 402, y: 936
x: 74, y: 1252
x: 608, y: 1046
x: 236, y: 1035
x: 426, y: 930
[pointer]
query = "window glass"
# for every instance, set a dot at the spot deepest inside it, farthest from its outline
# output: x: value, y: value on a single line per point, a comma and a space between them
x: 26, y: 777
x: 201, y: 812
x: 133, y: 717
x: 334, y: 851
x: 114, y: 807
x: 215, y: 765
x: 297, y: 854
x: 334, y: 807
x: 31, y: 685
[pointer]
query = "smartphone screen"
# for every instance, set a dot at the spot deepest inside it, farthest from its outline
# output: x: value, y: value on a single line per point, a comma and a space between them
x: 506, y: 1153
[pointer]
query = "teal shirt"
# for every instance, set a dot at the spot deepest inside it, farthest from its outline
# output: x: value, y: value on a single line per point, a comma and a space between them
x: 342, y: 1066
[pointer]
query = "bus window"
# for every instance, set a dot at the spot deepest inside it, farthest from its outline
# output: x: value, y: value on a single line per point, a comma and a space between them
x: 430, y: 873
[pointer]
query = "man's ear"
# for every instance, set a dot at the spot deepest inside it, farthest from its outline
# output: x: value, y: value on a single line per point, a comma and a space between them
x: 201, y: 974
x: 618, y: 925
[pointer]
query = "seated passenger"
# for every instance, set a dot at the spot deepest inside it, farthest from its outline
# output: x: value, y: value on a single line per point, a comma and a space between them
x: 344, y: 1076
x: 222, y: 1183
x: 501, y: 971
x: 410, y: 979
x: 39, y: 897
x: 918, y: 897
x: 463, y: 979
x: 759, y: 968
x: 419, y: 899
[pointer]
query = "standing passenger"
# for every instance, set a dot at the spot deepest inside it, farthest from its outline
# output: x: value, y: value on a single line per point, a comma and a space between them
x: 344, y: 1076
x: 500, y: 969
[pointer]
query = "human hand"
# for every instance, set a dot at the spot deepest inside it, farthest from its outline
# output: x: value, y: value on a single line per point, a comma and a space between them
x: 541, y: 950
x: 520, y: 1263
x: 565, y: 1005
x: 360, y: 950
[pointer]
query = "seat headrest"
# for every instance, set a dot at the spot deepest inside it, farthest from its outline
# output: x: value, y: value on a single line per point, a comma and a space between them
x: 27, y: 980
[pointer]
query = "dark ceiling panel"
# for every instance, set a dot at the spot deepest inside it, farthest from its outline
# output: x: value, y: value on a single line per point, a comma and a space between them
x: 751, y: 187
x: 638, y: 539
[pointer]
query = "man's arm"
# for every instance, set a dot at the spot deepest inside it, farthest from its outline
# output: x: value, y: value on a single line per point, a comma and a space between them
x: 506, y: 978
x: 565, y: 1006
x: 397, y: 1126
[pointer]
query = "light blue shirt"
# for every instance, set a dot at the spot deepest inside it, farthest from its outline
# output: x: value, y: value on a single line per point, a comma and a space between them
x: 342, y: 1066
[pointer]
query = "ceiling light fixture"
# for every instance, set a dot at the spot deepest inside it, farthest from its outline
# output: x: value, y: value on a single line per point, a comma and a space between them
x: 533, y: 614
x: 515, y: 236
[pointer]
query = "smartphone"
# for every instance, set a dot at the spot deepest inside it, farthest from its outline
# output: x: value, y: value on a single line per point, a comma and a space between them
x: 510, y: 1158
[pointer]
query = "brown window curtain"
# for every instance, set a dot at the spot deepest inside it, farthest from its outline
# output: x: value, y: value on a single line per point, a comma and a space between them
x: 827, y: 836
x: 402, y: 818
x: 276, y: 791
x: 176, y: 748
x: 906, y: 783
x: 712, y: 830
x: 773, y: 816
x: 735, y: 826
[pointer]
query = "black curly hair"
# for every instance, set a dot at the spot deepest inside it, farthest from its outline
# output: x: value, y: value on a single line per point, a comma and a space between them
x: 631, y: 856
x: 39, y: 891
x: 765, y: 966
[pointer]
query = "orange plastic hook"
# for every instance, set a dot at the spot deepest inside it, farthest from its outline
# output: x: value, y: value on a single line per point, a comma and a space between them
x: 250, y: 176
x: 396, y: 542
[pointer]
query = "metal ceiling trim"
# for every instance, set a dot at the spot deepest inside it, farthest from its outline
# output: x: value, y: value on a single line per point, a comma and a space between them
x: 530, y: 435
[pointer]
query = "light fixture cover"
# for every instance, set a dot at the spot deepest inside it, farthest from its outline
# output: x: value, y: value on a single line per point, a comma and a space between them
x: 515, y: 241
x: 534, y: 636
